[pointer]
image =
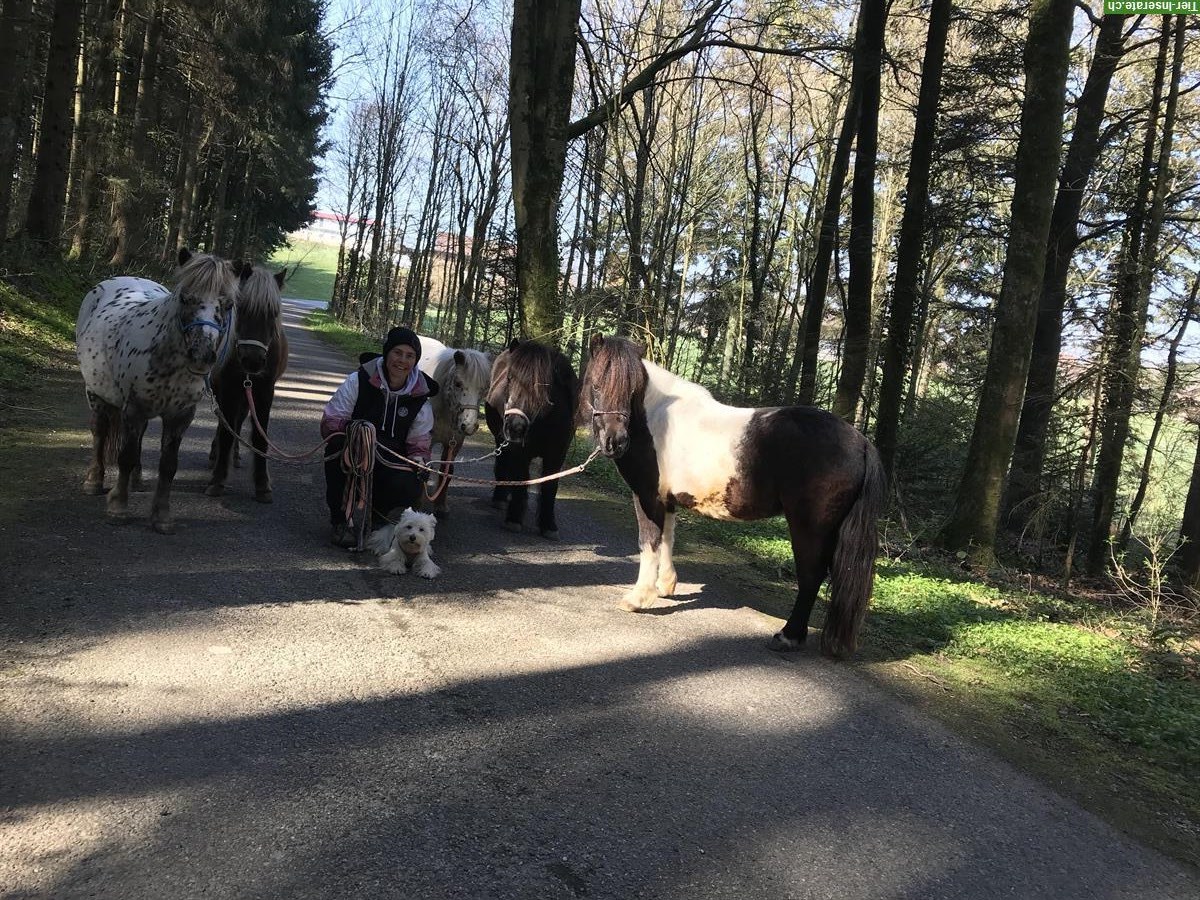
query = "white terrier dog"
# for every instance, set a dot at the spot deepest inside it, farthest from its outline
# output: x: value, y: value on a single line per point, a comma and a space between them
x: 405, y: 545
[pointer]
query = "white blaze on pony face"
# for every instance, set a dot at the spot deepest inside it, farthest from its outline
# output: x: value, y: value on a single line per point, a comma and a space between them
x: 207, y: 289
x: 696, y: 440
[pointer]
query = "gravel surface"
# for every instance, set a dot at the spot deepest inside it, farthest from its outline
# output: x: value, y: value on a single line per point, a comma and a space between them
x: 242, y: 710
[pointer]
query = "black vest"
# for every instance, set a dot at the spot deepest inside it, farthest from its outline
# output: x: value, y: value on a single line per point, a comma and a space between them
x: 392, y: 420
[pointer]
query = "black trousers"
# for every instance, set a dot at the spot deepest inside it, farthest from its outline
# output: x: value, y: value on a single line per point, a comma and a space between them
x: 392, y: 489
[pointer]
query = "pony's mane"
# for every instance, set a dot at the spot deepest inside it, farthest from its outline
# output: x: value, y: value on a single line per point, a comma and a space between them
x: 259, y: 294
x: 205, y: 275
x: 616, y: 372
x: 526, y: 372
x: 478, y: 368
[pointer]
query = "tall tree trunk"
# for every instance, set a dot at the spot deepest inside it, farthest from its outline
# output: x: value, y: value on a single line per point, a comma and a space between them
x: 1133, y: 302
x: 129, y: 228
x: 1040, y: 386
x: 972, y: 526
x: 857, y: 341
x: 1160, y: 415
x: 818, y: 285
x: 541, y: 81
x: 44, y: 215
x: 1188, y: 557
x: 910, y: 246
x: 15, y: 43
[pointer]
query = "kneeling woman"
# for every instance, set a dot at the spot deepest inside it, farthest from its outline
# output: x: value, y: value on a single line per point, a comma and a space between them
x: 391, y: 393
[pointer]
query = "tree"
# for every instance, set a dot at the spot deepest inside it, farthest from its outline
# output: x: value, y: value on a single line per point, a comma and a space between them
x: 972, y: 526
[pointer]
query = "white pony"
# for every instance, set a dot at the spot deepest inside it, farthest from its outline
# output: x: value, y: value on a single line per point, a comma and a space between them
x: 463, y: 377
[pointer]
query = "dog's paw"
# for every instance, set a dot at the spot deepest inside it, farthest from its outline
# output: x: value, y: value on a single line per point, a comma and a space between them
x: 394, y: 566
x: 427, y: 570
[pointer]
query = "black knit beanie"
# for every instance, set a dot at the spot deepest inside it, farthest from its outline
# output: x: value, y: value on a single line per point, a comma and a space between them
x: 401, y: 335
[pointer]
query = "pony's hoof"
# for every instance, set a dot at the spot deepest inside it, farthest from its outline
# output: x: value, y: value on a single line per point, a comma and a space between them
x: 263, y: 497
x: 666, y: 587
x: 550, y: 534
x: 499, y: 504
x: 214, y: 490
x: 137, y: 485
x: 784, y: 644
x: 121, y: 517
x: 163, y: 526
x: 636, y: 600
x: 94, y: 489
x: 512, y: 526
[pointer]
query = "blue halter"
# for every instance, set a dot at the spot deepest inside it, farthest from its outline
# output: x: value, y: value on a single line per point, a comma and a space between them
x: 223, y: 332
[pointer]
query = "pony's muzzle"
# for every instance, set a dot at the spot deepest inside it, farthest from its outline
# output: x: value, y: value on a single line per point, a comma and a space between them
x: 468, y: 422
x: 516, y: 426
x: 253, y: 362
x: 614, y: 444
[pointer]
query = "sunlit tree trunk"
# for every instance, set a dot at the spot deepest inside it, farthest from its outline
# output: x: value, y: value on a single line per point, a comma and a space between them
x: 972, y: 526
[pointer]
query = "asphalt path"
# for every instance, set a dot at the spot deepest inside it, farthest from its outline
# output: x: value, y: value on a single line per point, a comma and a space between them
x: 241, y: 710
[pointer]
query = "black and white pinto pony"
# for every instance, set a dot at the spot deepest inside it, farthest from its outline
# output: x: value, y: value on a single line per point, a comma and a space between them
x: 260, y: 357
x: 463, y: 377
x: 676, y: 446
x: 144, y: 352
x: 530, y: 410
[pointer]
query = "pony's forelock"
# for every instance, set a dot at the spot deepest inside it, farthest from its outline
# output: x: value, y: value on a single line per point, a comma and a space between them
x: 477, y: 369
x: 615, y: 376
x: 205, y: 275
x: 521, y: 378
x: 259, y: 294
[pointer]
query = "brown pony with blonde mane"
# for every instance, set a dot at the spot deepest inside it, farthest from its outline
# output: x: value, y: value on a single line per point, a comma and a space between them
x: 261, y: 358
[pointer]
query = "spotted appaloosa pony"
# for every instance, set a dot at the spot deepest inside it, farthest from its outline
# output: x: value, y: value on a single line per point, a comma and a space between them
x: 678, y: 447
x: 463, y: 377
x: 144, y: 351
x: 260, y: 357
x: 531, y: 405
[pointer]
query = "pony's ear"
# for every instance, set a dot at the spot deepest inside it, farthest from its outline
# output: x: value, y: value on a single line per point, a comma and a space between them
x: 513, y: 344
x: 184, y: 255
x: 281, y: 276
x: 597, y: 342
x: 641, y: 350
x: 241, y: 269
x: 460, y: 358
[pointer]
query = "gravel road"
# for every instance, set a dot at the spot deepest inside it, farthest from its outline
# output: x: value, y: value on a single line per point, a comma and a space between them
x: 241, y: 710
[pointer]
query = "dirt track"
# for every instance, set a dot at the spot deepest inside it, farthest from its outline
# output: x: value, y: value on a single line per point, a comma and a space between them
x: 242, y: 710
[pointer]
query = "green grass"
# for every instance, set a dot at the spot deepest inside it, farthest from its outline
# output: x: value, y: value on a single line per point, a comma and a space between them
x: 311, y: 269
x: 37, y: 320
x: 348, y: 339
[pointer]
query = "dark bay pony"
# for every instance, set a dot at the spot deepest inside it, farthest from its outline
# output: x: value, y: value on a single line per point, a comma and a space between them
x: 261, y: 357
x: 531, y: 406
x: 676, y: 446
x: 144, y: 352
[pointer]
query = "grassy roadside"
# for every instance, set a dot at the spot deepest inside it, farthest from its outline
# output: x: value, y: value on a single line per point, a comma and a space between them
x: 1084, y: 695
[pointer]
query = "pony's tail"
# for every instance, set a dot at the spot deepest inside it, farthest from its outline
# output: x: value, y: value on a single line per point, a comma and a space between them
x: 852, y: 574
x: 112, y: 435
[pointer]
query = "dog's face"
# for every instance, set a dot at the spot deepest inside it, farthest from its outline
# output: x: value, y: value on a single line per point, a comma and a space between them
x: 415, y: 532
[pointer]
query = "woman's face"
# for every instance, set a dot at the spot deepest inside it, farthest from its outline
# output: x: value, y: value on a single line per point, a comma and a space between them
x: 399, y: 364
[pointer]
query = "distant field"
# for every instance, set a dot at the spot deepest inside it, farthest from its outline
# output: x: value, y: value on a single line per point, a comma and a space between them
x: 315, y: 267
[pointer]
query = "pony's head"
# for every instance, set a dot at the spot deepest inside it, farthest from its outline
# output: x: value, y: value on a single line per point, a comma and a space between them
x: 464, y: 377
x: 520, y: 389
x: 614, y: 388
x: 206, y: 290
x: 259, y: 315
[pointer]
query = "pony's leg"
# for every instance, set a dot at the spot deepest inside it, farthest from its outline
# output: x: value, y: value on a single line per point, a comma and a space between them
x: 102, y: 432
x: 547, y: 492
x: 667, y: 577
x: 262, y: 478
x: 510, y: 468
x: 135, y: 478
x: 650, y: 534
x: 811, y: 556
x: 133, y: 426
x: 223, y: 440
x: 446, y: 469
x: 168, y: 463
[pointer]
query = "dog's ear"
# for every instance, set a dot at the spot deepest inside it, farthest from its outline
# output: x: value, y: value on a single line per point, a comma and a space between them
x: 433, y: 520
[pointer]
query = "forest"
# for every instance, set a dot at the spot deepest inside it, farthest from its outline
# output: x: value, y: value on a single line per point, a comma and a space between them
x: 970, y: 230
